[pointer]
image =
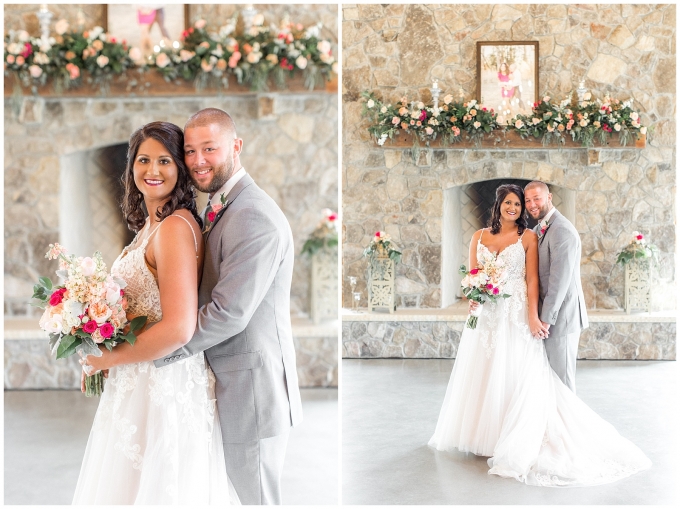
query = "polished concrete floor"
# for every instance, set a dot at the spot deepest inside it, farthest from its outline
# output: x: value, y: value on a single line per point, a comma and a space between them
x: 46, y: 433
x: 390, y: 408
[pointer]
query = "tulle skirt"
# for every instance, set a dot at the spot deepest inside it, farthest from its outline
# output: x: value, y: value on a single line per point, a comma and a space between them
x: 505, y: 401
x: 156, y: 439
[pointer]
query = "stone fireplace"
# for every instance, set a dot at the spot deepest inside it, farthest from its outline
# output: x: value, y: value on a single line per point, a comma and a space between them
x: 63, y: 160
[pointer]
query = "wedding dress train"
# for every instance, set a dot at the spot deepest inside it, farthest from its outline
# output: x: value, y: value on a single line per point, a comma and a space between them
x: 504, y: 401
x: 156, y: 437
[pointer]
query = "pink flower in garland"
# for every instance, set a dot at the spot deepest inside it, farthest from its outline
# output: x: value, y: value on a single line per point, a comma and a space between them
x: 423, y: 115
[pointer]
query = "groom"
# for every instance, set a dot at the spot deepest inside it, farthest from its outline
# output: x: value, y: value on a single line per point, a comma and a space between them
x: 561, y: 306
x: 244, y: 316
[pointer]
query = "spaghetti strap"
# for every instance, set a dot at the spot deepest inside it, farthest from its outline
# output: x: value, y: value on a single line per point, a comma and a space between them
x: 479, y: 240
x: 187, y: 222
x: 190, y: 227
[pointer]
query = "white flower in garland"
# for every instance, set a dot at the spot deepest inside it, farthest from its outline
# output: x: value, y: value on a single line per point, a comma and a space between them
x: 301, y: 62
x: 370, y: 103
x: 382, y: 139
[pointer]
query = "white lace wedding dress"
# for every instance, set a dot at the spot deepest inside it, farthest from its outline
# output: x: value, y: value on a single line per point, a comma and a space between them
x: 505, y: 401
x: 156, y: 437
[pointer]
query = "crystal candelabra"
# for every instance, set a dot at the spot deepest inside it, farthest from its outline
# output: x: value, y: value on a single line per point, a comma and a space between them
x: 581, y: 91
x: 435, y: 91
x: 356, y: 297
x: 44, y: 18
x: 248, y: 14
x: 353, y: 285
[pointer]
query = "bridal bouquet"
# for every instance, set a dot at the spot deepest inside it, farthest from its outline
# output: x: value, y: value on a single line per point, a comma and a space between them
x: 483, y: 284
x: 88, y: 310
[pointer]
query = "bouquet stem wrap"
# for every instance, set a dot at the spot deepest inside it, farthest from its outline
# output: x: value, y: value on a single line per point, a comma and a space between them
x: 94, y: 385
x: 474, y: 316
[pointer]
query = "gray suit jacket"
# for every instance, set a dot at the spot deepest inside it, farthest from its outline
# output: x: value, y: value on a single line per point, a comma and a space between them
x: 244, y: 317
x: 560, y: 297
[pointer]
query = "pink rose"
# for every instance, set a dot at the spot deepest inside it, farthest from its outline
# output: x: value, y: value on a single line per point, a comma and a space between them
x: 57, y: 297
x: 35, y: 71
x: 73, y: 71
x: 489, y: 286
x: 234, y: 58
x: 423, y: 115
x: 211, y: 216
x: 639, y: 237
x: 90, y: 327
x: 496, y: 291
x: 106, y: 330
x: 474, y: 271
x: 216, y: 207
x: 20, y: 60
x: 395, y: 120
x: 10, y: 59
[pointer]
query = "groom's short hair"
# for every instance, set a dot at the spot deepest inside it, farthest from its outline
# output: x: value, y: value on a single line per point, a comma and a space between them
x: 209, y: 116
x: 537, y: 183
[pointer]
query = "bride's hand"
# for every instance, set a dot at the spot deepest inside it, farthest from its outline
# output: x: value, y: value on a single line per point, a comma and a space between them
x: 105, y: 372
x: 538, y: 330
x: 472, y: 305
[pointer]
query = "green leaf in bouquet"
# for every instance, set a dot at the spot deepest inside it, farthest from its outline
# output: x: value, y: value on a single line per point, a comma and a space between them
x: 137, y: 323
x: 66, y: 347
x: 462, y: 270
x: 130, y: 338
x: 109, y: 343
x: 82, y: 334
x: 45, y: 282
x: 54, y: 338
x: 88, y: 347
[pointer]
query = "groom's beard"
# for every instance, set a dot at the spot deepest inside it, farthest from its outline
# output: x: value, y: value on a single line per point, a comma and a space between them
x: 542, y: 212
x: 221, y: 174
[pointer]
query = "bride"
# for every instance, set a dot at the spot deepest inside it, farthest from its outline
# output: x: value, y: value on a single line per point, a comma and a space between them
x: 156, y: 437
x: 503, y: 399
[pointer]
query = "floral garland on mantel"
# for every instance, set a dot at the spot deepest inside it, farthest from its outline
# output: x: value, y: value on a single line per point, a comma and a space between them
x: 585, y: 121
x: 206, y: 58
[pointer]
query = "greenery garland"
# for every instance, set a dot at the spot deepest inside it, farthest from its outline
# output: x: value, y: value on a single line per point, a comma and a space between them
x: 585, y: 121
x: 638, y: 249
x: 207, y: 59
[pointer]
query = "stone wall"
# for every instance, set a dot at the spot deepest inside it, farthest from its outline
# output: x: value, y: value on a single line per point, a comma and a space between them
x: 438, y: 340
x: 29, y: 364
x: 23, y: 17
x: 397, y: 50
x: 290, y: 149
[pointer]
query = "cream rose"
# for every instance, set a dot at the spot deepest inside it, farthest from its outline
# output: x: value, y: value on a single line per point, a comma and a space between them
x: 35, y: 71
x: 61, y: 26
x: 301, y: 62
x: 102, y: 60
x: 162, y: 60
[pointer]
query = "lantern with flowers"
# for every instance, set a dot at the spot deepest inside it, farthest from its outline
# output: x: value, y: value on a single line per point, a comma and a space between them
x: 383, y: 257
x: 321, y: 246
x: 639, y: 258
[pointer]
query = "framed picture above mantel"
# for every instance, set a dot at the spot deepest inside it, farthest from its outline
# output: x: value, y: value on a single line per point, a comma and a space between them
x: 147, y: 26
x: 507, y: 77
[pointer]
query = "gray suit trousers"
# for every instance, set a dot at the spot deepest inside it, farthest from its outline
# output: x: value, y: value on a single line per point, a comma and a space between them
x: 255, y: 469
x: 562, y: 352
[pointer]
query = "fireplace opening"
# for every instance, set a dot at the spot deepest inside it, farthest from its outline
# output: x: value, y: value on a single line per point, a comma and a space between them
x: 467, y: 208
x: 90, y: 195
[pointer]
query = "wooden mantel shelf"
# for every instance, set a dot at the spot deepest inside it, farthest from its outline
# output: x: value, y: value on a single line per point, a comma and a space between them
x: 152, y: 84
x: 509, y: 141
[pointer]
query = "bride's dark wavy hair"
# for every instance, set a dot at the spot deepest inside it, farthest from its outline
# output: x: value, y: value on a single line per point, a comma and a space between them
x: 183, y: 195
x: 501, y: 193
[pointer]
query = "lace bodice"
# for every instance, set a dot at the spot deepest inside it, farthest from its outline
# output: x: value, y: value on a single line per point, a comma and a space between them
x: 514, y: 259
x: 142, y: 292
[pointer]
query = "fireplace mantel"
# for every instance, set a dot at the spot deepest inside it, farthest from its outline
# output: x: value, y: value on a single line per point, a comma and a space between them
x: 152, y: 84
x: 509, y: 141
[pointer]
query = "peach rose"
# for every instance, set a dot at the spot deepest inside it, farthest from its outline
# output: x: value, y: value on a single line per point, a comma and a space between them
x: 99, y: 312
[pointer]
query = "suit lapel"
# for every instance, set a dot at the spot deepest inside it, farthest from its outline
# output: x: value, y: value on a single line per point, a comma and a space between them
x: 236, y: 190
x: 554, y: 217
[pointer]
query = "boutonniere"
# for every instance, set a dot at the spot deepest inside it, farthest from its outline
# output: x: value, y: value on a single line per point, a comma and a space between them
x: 212, y: 213
x: 544, y: 227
